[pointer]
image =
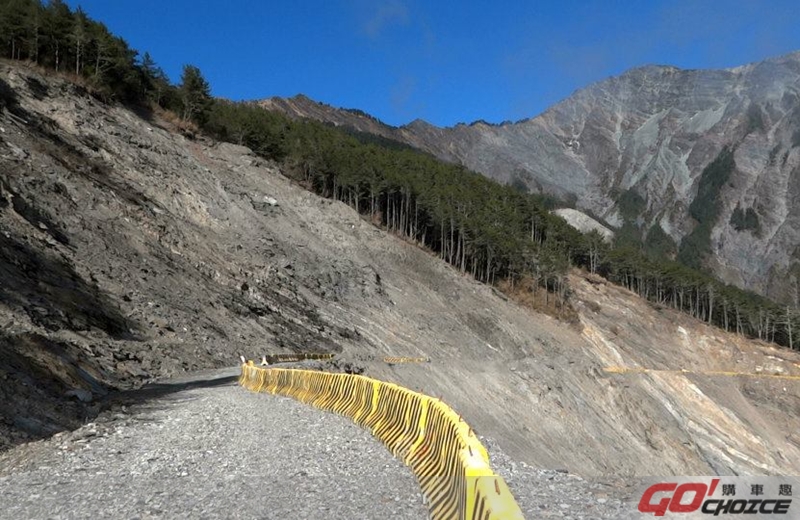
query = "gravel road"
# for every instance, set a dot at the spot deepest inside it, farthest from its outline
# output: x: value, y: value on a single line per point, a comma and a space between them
x: 202, y: 447
x: 215, y: 451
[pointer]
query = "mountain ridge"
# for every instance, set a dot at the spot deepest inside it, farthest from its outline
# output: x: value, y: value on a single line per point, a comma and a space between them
x: 652, y: 130
x: 793, y: 55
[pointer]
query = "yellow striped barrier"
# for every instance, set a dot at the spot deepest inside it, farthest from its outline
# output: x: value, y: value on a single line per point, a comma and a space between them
x: 449, y: 461
x: 401, y: 359
x: 271, y: 359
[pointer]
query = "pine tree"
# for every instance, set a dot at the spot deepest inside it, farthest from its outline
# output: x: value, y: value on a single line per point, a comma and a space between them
x: 58, y: 23
x: 13, y: 25
x: 34, y: 37
x: 195, y: 95
x: 155, y: 82
x: 79, y: 38
x: 597, y: 248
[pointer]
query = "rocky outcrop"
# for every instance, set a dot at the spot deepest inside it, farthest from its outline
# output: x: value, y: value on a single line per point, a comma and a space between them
x: 584, y: 223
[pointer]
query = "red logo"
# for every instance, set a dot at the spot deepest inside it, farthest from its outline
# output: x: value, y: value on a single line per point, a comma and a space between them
x: 674, y: 503
x: 671, y: 497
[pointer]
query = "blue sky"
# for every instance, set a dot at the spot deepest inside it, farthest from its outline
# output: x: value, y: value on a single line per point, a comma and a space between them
x: 442, y: 61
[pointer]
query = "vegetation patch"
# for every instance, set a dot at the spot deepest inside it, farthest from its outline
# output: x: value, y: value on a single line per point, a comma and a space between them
x: 520, y: 180
x: 658, y: 244
x: 519, y: 185
x: 705, y: 208
x: 773, y: 154
x: 746, y: 220
x: 367, y: 138
x: 755, y: 120
x: 629, y: 235
x: 631, y: 205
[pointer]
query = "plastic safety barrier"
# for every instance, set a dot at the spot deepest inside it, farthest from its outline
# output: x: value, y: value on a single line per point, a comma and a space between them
x: 271, y: 359
x: 450, y: 463
x: 290, y: 358
x: 402, y: 359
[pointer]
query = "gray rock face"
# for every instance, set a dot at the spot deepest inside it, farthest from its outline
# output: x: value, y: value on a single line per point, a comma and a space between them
x: 584, y: 223
x: 652, y: 130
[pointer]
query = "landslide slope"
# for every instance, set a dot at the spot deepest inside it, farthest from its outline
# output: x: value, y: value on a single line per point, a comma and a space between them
x: 130, y: 251
x: 637, y: 146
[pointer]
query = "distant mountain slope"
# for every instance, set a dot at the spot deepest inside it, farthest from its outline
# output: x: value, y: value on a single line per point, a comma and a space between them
x: 635, y: 148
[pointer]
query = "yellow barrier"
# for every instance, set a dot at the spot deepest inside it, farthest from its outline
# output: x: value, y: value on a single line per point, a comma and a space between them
x: 290, y: 358
x: 271, y: 359
x: 450, y: 463
x: 401, y: 359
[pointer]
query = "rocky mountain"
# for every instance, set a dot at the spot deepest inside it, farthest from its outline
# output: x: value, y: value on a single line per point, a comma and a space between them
x: 641, y: 148
x: 130, y: 251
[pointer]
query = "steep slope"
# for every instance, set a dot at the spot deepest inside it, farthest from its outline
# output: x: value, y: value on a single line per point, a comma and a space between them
x: 650, y: 135
x: 130, y: 251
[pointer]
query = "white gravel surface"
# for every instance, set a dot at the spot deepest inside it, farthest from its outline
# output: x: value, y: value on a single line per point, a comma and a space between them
x: 210, y: 452
x: 548, y: 493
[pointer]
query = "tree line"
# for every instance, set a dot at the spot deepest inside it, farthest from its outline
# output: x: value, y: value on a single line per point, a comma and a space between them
x: 491, y: 231
x: 53, y: 36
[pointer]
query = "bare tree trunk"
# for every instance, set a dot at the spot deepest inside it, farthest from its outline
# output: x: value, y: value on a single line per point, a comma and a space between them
x: 738, y: 321
x: 710, y: 304
x: 36, y: 46
x: 725, y: 313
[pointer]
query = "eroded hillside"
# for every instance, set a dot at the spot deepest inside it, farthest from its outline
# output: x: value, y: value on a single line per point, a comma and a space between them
x: 637, y: 148
x: 129, y: 251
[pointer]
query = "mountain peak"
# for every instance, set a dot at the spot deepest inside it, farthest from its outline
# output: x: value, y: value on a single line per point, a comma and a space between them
x: 418, y: 123
x: 302, y: 97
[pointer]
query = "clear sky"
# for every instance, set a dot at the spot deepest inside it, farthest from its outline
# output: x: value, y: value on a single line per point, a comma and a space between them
x: 440, y: 60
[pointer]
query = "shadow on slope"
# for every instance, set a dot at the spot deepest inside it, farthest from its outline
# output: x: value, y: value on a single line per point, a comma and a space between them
x: 159, y: 390
x: 50, y: 386
x: 53, y: 294
x: 46, y: 386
